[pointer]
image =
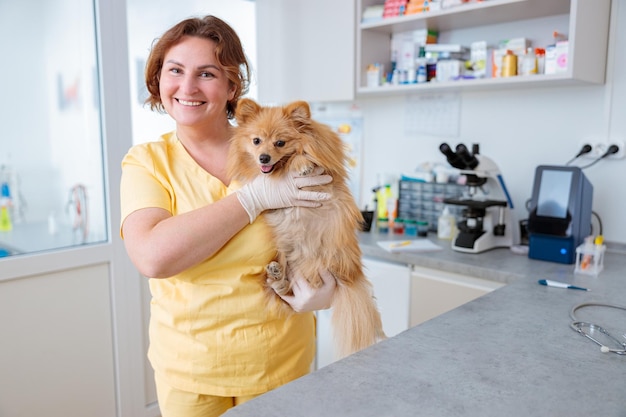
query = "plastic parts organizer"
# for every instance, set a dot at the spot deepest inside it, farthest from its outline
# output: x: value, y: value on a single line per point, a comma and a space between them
x: 424, y: 200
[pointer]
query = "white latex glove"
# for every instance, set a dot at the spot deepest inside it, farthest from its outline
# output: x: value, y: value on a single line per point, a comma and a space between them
x: 269, y: 192
x: 306, y: 298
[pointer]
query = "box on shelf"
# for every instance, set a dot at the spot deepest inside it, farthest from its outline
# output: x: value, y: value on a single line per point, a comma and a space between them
x: 373, y: 13
x: 516, y: 45
x: 480, y: 59
x: 449, y: 69
x: 405, y: 46
x: 557, y: 57
x: 394, y: 8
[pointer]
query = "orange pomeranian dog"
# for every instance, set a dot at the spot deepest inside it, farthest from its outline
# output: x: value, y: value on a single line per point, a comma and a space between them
x: 283, y: 140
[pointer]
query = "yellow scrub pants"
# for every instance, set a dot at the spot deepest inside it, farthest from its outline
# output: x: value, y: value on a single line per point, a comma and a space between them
x: 176, y: 403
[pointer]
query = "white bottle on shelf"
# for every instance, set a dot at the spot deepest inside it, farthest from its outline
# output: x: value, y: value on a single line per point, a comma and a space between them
x: 529, y: 62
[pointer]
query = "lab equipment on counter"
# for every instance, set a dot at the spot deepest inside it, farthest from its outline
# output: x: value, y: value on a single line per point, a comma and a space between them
x: 421, y: 200
x: 560, y: 213
x: 487, y: 221
x: 590, y: 256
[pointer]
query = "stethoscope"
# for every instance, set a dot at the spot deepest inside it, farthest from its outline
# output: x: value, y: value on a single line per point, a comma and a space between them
x: 598, y: 334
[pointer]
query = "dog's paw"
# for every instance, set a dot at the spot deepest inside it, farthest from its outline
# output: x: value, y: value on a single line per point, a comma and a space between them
x: 276, y: 278
x: 306, y: 170
x: 274, y: 271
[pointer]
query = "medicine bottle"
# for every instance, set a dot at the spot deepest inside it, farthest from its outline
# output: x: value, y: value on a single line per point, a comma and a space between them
x: 382, y: 225
x: 529, y: 62
x: 422, y: 228
x: 398, y: 227
x: 446, y: 225
x: 509, y: 64
x: 410, y: 227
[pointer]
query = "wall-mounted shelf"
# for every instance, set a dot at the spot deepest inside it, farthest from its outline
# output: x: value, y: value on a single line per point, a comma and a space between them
x: 587, y: 23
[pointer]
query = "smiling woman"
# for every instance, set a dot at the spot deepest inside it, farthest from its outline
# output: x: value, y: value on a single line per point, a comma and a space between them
x: 146, y: 19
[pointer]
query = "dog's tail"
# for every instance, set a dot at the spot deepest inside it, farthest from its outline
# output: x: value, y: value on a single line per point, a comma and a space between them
x: 355, y: 318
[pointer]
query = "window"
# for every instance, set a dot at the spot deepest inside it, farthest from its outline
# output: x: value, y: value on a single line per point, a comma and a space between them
x: 51, y: 165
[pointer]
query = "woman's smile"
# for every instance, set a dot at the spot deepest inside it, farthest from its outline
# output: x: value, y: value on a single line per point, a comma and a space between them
x: 189, y: 103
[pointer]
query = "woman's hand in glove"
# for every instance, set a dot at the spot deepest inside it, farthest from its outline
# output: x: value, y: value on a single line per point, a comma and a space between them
x: 269, y: 192
x: 306, y: 298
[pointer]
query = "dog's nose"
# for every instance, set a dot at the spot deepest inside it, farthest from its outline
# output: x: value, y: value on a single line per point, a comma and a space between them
x: 265, y: 158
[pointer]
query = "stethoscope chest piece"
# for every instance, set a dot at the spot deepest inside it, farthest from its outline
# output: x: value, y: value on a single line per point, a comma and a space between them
x: 598, y: 334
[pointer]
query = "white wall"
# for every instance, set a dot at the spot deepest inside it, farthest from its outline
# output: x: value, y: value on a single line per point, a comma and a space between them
x: 519, y: 129
x: 148, y: 19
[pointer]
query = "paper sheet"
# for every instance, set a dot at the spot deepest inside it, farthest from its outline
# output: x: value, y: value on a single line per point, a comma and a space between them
x: 418, y: 245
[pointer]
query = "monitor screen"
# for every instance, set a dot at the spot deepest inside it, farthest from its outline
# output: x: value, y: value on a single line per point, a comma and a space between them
x: 553, y: 199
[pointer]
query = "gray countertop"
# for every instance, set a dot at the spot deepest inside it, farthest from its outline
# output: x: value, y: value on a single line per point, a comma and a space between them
x: 508, y: 353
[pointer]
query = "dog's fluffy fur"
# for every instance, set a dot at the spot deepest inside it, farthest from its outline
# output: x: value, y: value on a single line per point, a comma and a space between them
x: 286, y: 141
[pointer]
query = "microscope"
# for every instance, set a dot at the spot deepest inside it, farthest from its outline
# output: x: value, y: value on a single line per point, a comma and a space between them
x: 487, y: 215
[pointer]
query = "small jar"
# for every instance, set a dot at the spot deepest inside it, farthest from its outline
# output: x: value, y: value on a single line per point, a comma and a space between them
x: 398, y: 227
x: 410, y: 227
x: 383, y: 225
x: 422, y: 228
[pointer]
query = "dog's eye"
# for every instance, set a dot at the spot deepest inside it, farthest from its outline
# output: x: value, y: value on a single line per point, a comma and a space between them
x: 279, y: 143
x: 256, y: 141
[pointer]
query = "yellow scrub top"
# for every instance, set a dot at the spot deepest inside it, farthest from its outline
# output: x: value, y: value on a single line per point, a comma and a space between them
x: 211, y: 329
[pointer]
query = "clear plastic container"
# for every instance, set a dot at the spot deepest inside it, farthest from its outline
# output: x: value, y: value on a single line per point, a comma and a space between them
x: 446, y: 224
x: 590, y: 256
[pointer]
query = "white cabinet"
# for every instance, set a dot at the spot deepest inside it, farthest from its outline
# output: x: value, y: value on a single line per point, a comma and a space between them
x: 407, y: 295
x: 392, y: 287
x: 585, y: 22
x: 435, y: 292
x: 305, y: 50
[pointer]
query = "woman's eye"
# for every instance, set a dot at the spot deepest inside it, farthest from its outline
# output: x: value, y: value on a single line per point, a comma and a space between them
x: 279, y: 143
x: 206, y: 75
x: 256, y: 141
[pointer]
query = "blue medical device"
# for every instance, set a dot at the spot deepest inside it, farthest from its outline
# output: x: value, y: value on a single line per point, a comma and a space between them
x: 560, y: 213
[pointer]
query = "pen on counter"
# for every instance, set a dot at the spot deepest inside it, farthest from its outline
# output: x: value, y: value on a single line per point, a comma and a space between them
x: 558, y: 284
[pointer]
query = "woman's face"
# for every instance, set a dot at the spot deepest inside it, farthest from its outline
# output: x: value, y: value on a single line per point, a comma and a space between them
x: 194, y: 89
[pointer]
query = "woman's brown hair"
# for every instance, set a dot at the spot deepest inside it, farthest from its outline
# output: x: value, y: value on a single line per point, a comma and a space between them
x: 228, y: 52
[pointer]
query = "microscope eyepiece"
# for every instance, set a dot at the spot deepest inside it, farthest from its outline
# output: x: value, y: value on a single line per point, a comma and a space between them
x: 469, y: 160
x: 451, y: 156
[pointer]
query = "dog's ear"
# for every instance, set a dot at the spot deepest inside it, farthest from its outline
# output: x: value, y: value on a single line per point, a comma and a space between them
x: 246, y: 109
x: 299, y: 112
